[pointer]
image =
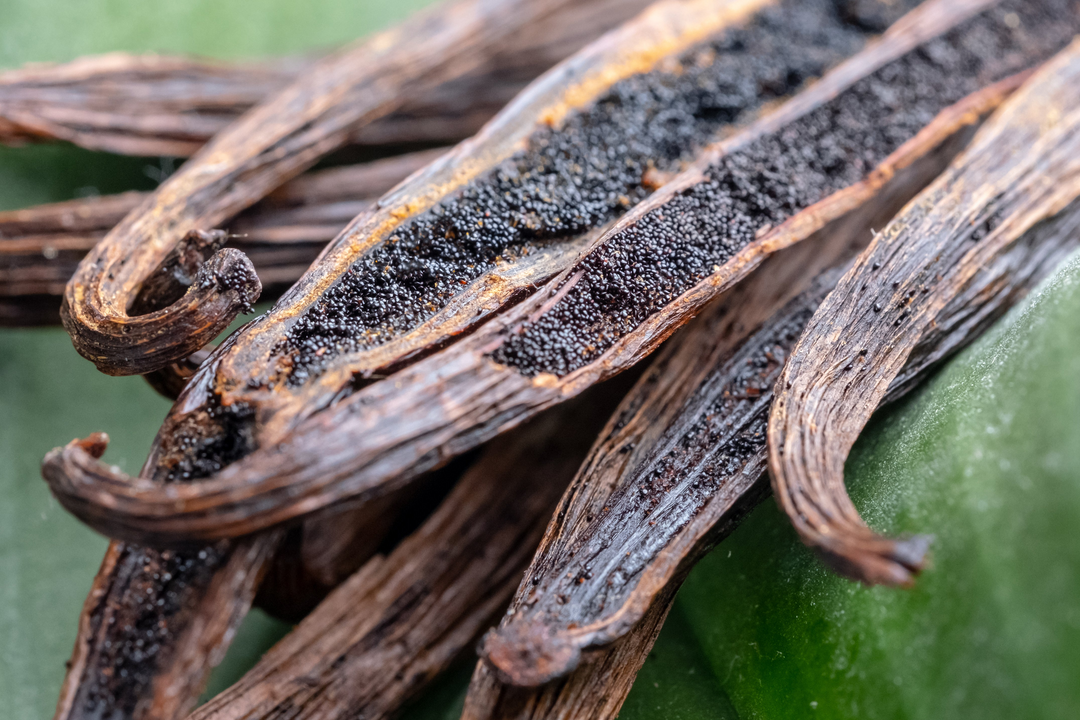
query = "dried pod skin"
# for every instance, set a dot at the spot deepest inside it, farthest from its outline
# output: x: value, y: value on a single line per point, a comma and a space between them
x: 374, y: 439
x: 167, y: 105
x: 148, y: 670
x: 595, y: 690
x: 275, y: 141
x: 659, y: 489
x: 677, y: 467
x: 1019, y: 179
x: 684, y: 457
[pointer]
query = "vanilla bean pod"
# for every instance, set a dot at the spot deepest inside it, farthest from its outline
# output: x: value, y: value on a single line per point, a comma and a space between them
x: 135, y: 105
x: 156, y: 105
x: 401, y: 619
x: 279, y: 138
x: 156, y: 622
x: 658, y: 546
x: 610, y: 90
x: 676, y: 468
x: 632, y: 288
x: 40, y: 247
x: 1020, y: 178
x: 950, y: 123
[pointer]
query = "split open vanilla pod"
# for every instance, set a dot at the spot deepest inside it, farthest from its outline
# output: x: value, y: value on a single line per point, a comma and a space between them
x: 155, y: 105
x: 339, y: 437
x: 653, y: 61
x: 171, y: 106
x: 277, y: 139
x: 680, y: 464
x: 1019, y: 179
x: 945, y: 67
x: 205, y: 434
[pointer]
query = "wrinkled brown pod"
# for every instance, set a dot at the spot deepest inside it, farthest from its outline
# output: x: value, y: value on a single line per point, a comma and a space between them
x: 401, y: 619
x: 279, y: 138
x: 426, y: 381
x: 40, y: 247
x: 628, y: 292
x: 157, y: 105
x: 132, y: 104
x: 209, y: 430
x: 1021, y: 176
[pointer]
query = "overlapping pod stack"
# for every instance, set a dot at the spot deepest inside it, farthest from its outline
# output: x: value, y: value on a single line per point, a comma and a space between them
x: 683, y: 458
x: 40, y: 247
x: 293, y: 406
x: 157, y: 105
x: 629, y: 108
x: 390, y: 628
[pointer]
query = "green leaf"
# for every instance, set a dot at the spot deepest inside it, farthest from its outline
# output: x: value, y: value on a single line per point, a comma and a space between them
x: 987, y: 457
x: 676, y: 682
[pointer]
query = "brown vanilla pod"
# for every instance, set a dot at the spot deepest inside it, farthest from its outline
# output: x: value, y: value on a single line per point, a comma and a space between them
x: 318, y: 555
x: 1020, y: 178
x: 128, y: 661
x: 280, y: 364
x: 135, y: 104
x: 677, y: 467
x: 209, y: 431
x: 400, y: 619
x: 276, y: 140
x: 156, y: 105
x: 629, y: 286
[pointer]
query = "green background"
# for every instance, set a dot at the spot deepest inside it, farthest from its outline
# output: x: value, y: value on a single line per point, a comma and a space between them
x: 986, y: 456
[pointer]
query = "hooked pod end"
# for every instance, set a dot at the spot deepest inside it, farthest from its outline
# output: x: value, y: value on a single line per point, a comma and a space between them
x: 524, y: 655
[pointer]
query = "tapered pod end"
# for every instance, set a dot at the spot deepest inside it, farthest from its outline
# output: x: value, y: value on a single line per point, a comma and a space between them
x: 821, y: 512
x: 526, y: 656
x: 877, y: 560
x: 94, y: 444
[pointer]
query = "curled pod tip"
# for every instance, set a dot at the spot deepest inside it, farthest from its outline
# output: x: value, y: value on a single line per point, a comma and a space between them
x: 224, y: 286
